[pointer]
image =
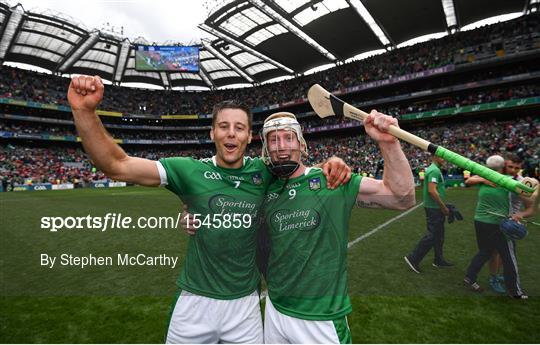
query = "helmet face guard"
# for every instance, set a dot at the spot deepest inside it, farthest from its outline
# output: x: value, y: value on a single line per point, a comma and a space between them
x: 282, y: 121
x: 284, y: 169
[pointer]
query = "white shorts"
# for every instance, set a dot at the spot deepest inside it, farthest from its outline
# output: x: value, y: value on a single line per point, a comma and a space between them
x: 198, y: 319
x: 283, y: 329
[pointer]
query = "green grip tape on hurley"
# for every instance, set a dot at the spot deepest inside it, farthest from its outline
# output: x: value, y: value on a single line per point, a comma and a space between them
x: 499, y: 179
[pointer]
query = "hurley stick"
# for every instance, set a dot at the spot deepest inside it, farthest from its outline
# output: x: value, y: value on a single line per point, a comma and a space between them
x: 503, y: 216
x: 325, y: 104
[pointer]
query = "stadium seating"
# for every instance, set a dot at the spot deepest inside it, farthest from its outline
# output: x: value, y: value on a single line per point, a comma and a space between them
x: 30, y: 153
x: 476, y: 140
x: 518, y: 35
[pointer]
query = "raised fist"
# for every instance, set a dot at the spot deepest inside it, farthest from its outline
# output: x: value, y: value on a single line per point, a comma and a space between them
x: 377, y: 125
x: 85, y: 92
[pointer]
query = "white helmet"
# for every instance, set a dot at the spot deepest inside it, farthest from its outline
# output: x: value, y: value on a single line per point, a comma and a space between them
x: 495, y: 162
x: 282, y: 121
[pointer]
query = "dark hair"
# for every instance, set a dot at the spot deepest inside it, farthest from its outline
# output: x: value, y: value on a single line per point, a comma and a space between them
x: 513, y: 157
x: 231, y: 105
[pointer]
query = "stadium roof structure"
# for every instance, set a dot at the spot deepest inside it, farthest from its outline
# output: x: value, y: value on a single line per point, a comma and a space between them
x: 252, y: 40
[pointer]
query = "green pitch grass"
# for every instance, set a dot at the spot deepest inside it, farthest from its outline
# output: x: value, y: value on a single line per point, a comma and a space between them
x: 114, y: 304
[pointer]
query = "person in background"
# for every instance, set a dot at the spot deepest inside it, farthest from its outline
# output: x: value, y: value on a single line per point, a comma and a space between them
x: 434, y: 193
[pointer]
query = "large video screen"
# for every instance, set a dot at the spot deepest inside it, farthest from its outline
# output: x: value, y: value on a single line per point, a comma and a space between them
x: 167, y: 58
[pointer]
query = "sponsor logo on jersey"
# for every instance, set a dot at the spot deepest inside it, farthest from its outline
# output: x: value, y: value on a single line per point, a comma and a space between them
x: 221, y: 203
x: 315, y: 183
x: 236, y: 178
x: 301, y: 220
x: 257, y: 178
x: 212, y: 175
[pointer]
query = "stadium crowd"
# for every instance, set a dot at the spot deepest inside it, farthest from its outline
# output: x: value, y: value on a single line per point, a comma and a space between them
x: 469, y: 98
x: 56, y: 165
x: 462, y: 47
x: 476, y: 140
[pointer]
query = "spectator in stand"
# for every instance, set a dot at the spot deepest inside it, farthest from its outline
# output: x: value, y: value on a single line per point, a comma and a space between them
x: 308, y: 122
x: 473, y: 140
x: 452, y: 49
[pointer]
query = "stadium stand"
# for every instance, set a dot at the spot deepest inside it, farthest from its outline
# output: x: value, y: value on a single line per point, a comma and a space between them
x: 475, y: 140
x: 519, y: 35
x: 486, y: 79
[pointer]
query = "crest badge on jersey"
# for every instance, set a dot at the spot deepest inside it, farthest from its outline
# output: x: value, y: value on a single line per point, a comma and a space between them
x: 315, y: 183
x: 257, y: 178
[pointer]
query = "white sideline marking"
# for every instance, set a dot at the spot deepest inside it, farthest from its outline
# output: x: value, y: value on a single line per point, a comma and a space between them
x: 264, y: 293
x: 374, y: 230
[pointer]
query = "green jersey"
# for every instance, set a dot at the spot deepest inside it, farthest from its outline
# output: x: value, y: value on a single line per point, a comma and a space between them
x: 434, y: 175
x: 308, y: 226
x: 220, y: 260
x: 491, y: 199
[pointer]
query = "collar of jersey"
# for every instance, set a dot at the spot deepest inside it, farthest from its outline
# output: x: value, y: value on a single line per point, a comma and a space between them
x: 229, y: 169
x: 294, y: 179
